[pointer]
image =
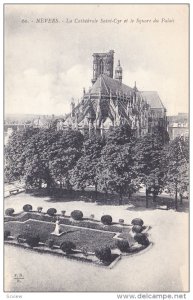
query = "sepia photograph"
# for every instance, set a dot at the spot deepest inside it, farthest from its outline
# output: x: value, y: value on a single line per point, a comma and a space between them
x: 96, y: 148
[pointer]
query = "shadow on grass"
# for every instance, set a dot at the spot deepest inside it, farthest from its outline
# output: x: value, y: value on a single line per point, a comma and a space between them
x: 135, y: 203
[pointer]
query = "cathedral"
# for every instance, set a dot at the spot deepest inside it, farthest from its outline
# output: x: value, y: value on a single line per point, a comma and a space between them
x: 110, y: 103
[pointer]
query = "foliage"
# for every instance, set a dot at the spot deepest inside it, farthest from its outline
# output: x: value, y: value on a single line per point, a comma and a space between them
x: 50, y: 243
x: 141, y: 239
x: 39, y: 209
x: 7, y: 233
x: 67, y: 247
x: 42, y: 156
x: 77, y: 215
x: 9, y: 211
x: 51, y: 211
x: 106, y: 219
x: 85, y: 171
x: 33, y: 241
x: 123, y: 245
x: 20, y: 239
x: 137, y: 228
x: 137, y: 221
x: 27, y: 207
x: 175, y: 162
x: 147, y: 156
x: 103, y: 253
x: 115, y: 170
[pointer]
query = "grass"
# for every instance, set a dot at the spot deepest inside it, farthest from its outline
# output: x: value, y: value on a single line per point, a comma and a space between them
x: 82, y: 237
x: 85, y: 222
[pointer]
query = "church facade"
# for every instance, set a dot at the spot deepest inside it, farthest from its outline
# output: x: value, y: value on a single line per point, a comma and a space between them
x: 110, y: 103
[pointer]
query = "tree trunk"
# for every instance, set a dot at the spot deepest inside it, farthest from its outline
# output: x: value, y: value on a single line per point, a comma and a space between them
x: 96, y: 191
x: 181, y: 199
x: 154, y: 196
x: 176, y: 197
x: 40, y: 184
x: 146, y: 197
x: 121, y: 197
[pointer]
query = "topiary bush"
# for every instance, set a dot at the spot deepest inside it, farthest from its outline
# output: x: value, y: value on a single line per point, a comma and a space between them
x: 67, y: 247
x: 137, y: 221
x: 33, y: 241
x: 50, y: 243
x: 7, y: 233
x: 104, y: 254
x: 9, y: 211
x: 20, y: 239
x: 63, y: 212
x: 106, y: 219
x: 39, y: 209
x: 51, y: 211
x: 141, y: 239
x: 27, y: 207
x: 123, y: 245
x: 121, y: 221
x: 137, y: 229
x: 77, y: 215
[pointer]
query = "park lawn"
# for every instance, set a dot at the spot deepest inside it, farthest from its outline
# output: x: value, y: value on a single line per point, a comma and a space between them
x: 81, y: 237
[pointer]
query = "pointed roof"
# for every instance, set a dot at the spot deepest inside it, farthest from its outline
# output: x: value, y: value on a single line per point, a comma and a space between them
x: 105, y: 84
x: 152, y: 99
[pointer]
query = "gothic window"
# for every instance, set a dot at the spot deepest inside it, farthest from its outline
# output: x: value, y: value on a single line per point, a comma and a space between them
x: 101, y: 66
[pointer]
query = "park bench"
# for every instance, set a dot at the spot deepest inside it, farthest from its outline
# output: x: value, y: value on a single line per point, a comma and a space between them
x: 13, y: 191
x: 163, y: 207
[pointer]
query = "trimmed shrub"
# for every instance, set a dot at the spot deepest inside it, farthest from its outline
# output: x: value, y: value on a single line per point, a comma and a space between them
x: 137, y: 229
x: 77, y: 215
x: 123, y: 245
x: 7, y: 233
x: 106, y: 219
x: 121, y: 221
x: 141, y: 239
x: 67, y: 247
x: 39, y: 209
x: 20, y: 239
x: 104, y: 254
x: 63, y: 212
x: 9, y: 211
x: 51, y: 211
x: 27, y: 207
x: 33, y: 241
x: 137, y: 221
x: 50, y: 243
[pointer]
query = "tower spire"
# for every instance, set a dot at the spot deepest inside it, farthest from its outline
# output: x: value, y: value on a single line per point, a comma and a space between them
x: 119, y: 72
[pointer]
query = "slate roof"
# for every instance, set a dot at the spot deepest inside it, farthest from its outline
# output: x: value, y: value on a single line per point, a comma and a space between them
x: 106, y: 84
x: 152, y: 99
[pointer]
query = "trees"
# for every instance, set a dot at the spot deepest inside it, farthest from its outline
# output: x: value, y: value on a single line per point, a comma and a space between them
x: 42, y: 155
x: 176, y: 167
x: 115, y: 169
x: 15, y: 156
x: 85, y: 171
x: 63, y: 155
x: 148, y: 153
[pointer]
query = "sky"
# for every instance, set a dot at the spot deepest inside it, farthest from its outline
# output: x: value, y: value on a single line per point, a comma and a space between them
x: 47, y: 64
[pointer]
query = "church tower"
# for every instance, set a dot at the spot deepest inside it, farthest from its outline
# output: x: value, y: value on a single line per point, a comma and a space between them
x: 119, y: 72
x: 103, y: 64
